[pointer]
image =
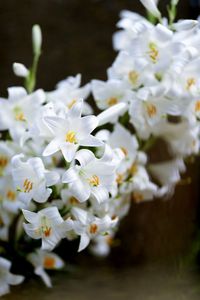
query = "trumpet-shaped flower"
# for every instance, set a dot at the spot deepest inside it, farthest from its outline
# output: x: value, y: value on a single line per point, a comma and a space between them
x: 17, y: 114
x: 92, y: 176
x: 110, y: 93
x: 32, y: 180
x: 6, y: 277
x: 71, y: 132
x: 43, y: 260
x: 47, y: 225
x: 88, y: 226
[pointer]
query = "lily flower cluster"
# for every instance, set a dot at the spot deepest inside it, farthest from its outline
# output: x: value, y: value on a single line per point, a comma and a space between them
x: 64, y: 174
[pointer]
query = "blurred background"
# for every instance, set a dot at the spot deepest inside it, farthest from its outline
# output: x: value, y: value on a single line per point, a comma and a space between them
x: 77, y: 38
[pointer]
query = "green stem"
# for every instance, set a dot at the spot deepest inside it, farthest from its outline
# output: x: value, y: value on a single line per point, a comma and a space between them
x: 30, y: 80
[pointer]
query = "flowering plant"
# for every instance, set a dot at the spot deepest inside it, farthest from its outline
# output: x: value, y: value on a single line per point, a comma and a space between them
x: 66, y: 173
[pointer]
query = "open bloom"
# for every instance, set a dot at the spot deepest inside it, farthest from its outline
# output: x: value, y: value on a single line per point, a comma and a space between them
x: 71, y: 132
x: 91, y: 177
x: 17, y: 114
x: 47, y: 225
x: 6, y: 277
x: 43, y: 260
x: 32, y: 180
x: 88, y: 226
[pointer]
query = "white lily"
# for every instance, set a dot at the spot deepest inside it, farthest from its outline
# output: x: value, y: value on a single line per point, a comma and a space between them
x: 47, y: 224
x: 110, y: 93
x: 43, y: 260
x: 6, y: 277
x: 88, y: 226
x: 92, y: 176
x: 17, y: 114
x: 71, y: 132
x: 68, y: 92
x: 32, y: 180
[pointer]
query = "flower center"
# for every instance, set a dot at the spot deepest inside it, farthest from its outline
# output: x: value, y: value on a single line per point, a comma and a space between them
x: 45, y: 227
x: 151, y: 110
x: 138, y: 197
x: 71, y: 104
x: 93, y: 228
x: 190, y: 82
x: 27, y: 185
x: 49, y: 262
x: 197, y: 106
x: 3, y: 164
x: 112, y: 101
x: 73, y: 201
x: 11, y: 195
x: 19, y: 115
x: 133, y: 169
x: 94, y: 180
x: 120, y: 178
x: 133, y: 77
x: 153, y: 52
x: 71, y: 137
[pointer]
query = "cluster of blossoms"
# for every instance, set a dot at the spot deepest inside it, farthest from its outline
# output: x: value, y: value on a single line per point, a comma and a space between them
x: 69, y: 174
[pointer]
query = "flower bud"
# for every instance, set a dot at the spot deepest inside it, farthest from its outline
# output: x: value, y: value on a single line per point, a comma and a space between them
x: 20, y: 70
x: 36, y: 39
x: 151, y: 6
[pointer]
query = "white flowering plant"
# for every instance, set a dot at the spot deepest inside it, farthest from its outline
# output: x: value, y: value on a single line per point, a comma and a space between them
x: 66, y: 173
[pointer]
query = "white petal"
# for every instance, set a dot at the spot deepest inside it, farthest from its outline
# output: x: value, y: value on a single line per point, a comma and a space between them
x: 84, y: 157
x: 80, y: 190
x: 91, y: 141
x: 70, y: 176
x: 87, y: 125
x: 76, y: 110
x: 84, y: 242
x: 80, y: 215
x: 42, y: 194
x: 101, y: 194
x: 45, y: 277
x: 16, y: 93
x: 30, y: 216
x: 32, y: 231
x: 68, y: 151
x: 51, y: 178
x: 51, y: 148
x: 111, y: 113
x: 15, y: 279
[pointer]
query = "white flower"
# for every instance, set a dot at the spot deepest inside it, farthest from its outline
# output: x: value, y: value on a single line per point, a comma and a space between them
x: 31, y: 179
x: 71, y: 132
x: 6, y: 277
x: 88, y: 226
x: 20, y: 70
x: 68, y: 92
x: 47, y: 224
x: 92, y: 176
x: 112, y: 92
x: 42, y: 260
x: 17, y: 114
x: 151, y: 6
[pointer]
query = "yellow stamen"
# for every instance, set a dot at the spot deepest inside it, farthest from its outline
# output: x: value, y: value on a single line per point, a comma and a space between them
x: 151, y: 110
x: 71, y: 137
x: 112, y: 101
x: 124, y: 150
x: 94, y: 180
x: 71, y: 104
x: 20, y: 117
x: 153, y: 52
x: 120, y: 178
x: 133, y: 77
x: 190, y: 82
x: 138, y: 197
x: 133, y: 169
x: 73, y: 201
x: 93, y: 228
x: 197, y: 106
x: 28, y: 186
x: 49, y: 262
x: 3, y: 163
x: 11, y: 195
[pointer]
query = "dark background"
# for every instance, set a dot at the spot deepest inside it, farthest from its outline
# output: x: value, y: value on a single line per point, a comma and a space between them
x: 76, y: 36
